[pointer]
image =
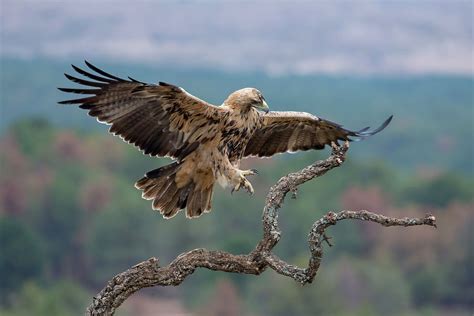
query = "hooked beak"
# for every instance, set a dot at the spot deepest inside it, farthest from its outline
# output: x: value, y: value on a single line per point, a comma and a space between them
x: 263, y: 107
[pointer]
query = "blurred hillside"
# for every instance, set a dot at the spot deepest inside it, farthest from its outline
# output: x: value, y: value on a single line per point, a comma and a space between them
x: 302, y: 37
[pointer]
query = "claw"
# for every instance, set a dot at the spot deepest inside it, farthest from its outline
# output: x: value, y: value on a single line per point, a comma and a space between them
x: 243, y: 182
x: 236, y: 188
x: 250, y: 172
x: 248, y: 187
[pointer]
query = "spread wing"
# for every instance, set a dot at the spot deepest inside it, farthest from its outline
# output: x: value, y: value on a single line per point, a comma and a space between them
x: 160, y: 119
x: 293, y: 131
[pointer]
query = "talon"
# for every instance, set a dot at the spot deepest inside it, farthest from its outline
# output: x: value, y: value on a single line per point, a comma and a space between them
x: 248, y: 187
x: 236, y: 188
x: 250, y: 172
x: 250, y: 191
x: 243, y: 182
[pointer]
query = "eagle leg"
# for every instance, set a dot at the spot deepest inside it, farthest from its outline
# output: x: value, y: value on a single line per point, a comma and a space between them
x: 243, y: 182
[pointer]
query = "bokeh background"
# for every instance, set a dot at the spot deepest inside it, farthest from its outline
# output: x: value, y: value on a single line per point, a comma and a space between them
x: 70, y: 217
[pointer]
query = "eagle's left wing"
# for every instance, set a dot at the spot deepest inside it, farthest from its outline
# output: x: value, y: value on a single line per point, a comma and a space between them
x: 160, y: 119
x: 293, y: 131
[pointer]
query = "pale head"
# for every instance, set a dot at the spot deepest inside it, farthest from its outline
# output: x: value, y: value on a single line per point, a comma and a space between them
x: 245, y: 99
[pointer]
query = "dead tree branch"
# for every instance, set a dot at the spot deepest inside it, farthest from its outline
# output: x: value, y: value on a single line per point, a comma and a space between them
x: 149, y: 273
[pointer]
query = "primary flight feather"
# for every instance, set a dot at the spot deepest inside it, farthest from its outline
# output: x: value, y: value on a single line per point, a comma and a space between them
x: 207, y: 142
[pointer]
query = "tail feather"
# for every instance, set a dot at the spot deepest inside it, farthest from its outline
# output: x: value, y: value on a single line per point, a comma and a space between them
x: 200, y: 202
x: 160, y: 186
x: 206, y: 200
x: 184, y: 194
x: 209, y: 202
x: 170, y: 207
x: 196, y: 204
x: 193, y: 205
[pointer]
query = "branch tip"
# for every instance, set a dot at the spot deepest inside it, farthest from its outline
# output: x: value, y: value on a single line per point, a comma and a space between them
x: 430, y: 220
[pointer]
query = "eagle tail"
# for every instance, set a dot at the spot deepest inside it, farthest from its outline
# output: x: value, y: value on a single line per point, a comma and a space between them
x: 168, y: 197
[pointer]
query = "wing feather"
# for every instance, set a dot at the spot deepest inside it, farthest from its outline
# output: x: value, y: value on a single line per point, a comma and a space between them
x: 84, y: 82
x: 160, y: 119
x: 92, y: 76
x: 293, y: 131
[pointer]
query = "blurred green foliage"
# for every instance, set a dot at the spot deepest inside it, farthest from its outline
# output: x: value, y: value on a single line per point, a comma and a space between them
x: 22, y: 257
x: 64, y: 298
x: 439, y: 190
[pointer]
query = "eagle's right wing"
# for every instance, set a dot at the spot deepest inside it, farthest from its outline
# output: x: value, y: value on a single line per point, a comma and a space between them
x: 292, y: 131
x: 160, y: 119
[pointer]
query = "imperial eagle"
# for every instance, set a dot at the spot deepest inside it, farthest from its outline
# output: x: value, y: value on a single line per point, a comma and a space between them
x: 206, y: 141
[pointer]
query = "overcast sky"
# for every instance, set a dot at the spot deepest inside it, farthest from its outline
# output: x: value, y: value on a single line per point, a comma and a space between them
x: 383, y: 37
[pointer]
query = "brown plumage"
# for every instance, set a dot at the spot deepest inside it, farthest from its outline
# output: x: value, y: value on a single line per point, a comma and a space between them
x: 206, y: 141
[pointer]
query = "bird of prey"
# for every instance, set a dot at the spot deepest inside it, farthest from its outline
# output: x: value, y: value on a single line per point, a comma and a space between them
x: 206, y: 141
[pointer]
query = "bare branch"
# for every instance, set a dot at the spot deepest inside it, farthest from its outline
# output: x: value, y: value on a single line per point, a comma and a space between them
x: 149, y: 273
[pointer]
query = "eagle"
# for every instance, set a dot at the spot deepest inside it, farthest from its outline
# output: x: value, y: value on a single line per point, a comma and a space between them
x: 205, y: 141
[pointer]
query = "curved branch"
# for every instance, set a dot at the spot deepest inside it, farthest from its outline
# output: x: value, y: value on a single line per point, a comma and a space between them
x: 149, y: 273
